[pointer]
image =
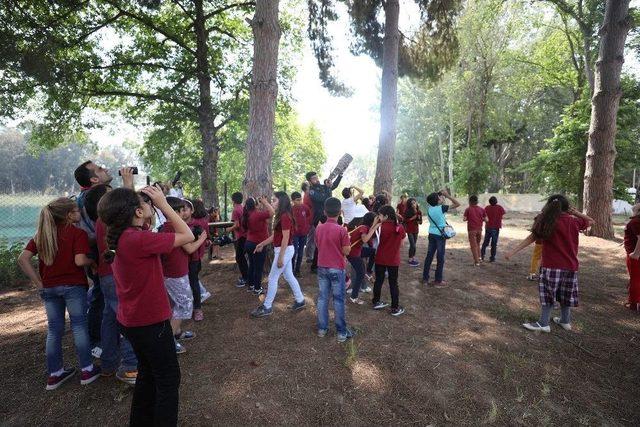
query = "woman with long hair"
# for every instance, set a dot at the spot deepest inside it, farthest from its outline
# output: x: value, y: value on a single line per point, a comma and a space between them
x: 62, y: 250
x: 282, y: 238
x: 412, y: 221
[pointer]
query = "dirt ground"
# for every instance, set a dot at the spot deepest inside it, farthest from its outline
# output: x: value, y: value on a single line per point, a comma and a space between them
x: 459, y: 355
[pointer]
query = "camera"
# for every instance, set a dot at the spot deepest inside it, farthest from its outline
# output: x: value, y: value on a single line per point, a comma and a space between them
x: 197, y: 231
x: 134, y: 171
x: 222, y: 240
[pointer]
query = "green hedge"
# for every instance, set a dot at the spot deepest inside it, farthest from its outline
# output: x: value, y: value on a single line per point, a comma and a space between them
x: 10, y: 272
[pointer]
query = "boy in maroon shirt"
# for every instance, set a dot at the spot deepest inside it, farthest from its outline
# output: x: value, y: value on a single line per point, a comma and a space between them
x: 240, y: 235
x: 475, y: 216
x: 632, y: 248
x: 494, y: 213
x: 333, y: 245
x: 303, y: 218
x: 175, y: 267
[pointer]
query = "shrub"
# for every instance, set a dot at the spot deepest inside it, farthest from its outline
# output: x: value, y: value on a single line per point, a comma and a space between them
x: 10, y: 273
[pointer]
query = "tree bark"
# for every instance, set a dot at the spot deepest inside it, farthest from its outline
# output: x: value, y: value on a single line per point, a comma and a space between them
x: 443, y: 180
x: 601, y: 151
x: 206, y: 116
x: 451, y: 153
x: 263, y: 93
x: 389, y: 99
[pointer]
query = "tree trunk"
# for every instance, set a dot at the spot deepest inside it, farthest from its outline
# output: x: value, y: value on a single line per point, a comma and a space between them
x: 206, y: 117
x: 601, y: 152
x: 443, y: 180
x: 389, y: 99
x: 263, y: 93
x: 451, y: 153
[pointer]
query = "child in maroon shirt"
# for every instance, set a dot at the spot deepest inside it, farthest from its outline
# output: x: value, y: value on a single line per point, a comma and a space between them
x: 558, y: 226
x: 632, y: 247
x: 494, y: 213
x: 412, y: 221
x: 62, y: 252
x: 474, y: 215
x: 240, y: 235
x: 303, y: 219
x: 388, y: 258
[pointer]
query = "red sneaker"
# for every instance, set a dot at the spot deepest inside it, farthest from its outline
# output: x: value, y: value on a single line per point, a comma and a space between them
x: 55, y: 381
x: 90, y: 376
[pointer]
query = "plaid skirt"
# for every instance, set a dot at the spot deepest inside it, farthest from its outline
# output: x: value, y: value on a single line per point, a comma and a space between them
x: 558, y: 285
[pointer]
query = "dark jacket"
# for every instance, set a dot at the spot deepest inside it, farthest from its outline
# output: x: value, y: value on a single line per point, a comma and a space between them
x: 318, y: 193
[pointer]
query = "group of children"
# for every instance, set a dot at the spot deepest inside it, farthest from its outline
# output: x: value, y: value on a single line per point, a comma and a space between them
x: 151, y: 286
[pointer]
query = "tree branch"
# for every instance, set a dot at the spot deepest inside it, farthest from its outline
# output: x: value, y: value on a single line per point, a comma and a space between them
x: 220, y: 30
x: 227, y: 7
x: 139, y: 64
x: 148, y: 96
x: 184, y: 10
x: 94, y: 29
x: 149, y: 23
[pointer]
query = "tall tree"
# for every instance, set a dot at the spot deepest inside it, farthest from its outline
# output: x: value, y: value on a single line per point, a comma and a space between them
x: 601, y: 152
x: 165, y: 59
x: 427, y: 53
x: 263, y: 93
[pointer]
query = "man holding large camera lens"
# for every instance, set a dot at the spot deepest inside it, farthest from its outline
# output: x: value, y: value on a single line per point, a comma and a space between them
x: 318, y: 193
x: 89, y: 175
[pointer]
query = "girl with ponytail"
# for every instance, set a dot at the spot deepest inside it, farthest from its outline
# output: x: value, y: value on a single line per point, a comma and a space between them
x: 283, y: 251
x: 143, y: 310
x: 62, y: 252
x: 558, y: 226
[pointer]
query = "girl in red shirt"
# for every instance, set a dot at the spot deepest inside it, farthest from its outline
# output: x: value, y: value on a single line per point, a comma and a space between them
x: 143, y: 309
x: 62, y: 252
x: 255, y: 221
x: 632, y: 247
x: 283, y: 251
x: 198, y: 219
x: 558, y: 226
x: 412, y: 221
x: 388, y: 258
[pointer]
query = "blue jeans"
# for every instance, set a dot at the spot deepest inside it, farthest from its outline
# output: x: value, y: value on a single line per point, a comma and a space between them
x: 74, y: 299
x: 298, y: 246
x: 331, y: 281
x: 358, y: 267
x: 490, y: 234
x: 256, y: 264
x: 437, y: 244
x: 116, y: 351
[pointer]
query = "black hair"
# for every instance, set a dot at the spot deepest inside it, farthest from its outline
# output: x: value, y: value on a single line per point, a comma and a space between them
x: 332, y: 207
x: 117, y: 209
x: 354, y: 223
x: 366, y: 202
x: 295, y: 195
x: 368, y: 219
x: 304, y: 187
x: 237, y: 197
x: 83, y: 174
x: 433, y: 199
x: 249, y: 206
x: 284, y: 207
x: 92, y: 198
x: 493, y: 200
x: 380, y: 201
x: 389, y: 212
x: 176, y: 203
x: 309, y: 175
x: 473, y: 199
x: 411, y: 211
x: 346, y: 192
x: 545, y: 223
x: 199, y: 211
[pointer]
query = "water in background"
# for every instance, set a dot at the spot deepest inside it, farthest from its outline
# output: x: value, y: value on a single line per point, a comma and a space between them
x: 19, y: 215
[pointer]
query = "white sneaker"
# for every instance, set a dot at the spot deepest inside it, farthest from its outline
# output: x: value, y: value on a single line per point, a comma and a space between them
x: 565, y: 326
x: 535, y: 326
x: 356, y: 301
x: 96, y: 352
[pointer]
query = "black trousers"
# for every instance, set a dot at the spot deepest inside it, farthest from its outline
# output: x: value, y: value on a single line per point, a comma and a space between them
x: 94, y: 312
x: 241, y: 257
x: 393, y: 284
x: 155, y: 396
x: 413, y: 239
x: 194, y: 281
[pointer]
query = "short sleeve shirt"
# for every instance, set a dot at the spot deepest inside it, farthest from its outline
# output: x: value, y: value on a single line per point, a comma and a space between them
x: 257, y: 227
x: 72, y: 241
x: 285, y: 224
x: 355, y: 238
x: 388, y: 252
x: 631, y: 233
x: 437, y: 220
x: 475, y: 216
x: 236, y: 217
x: 330, y: 239
x: 494, y: 216
x: 175, y: 263
x: 560, y: 251
x: 142, y: 297
x: 104, y: 269
x: 348, y: 210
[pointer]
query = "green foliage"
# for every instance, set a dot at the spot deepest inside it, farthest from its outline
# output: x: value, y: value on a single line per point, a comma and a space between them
x: 474, y: 170
x: 10, y: 273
